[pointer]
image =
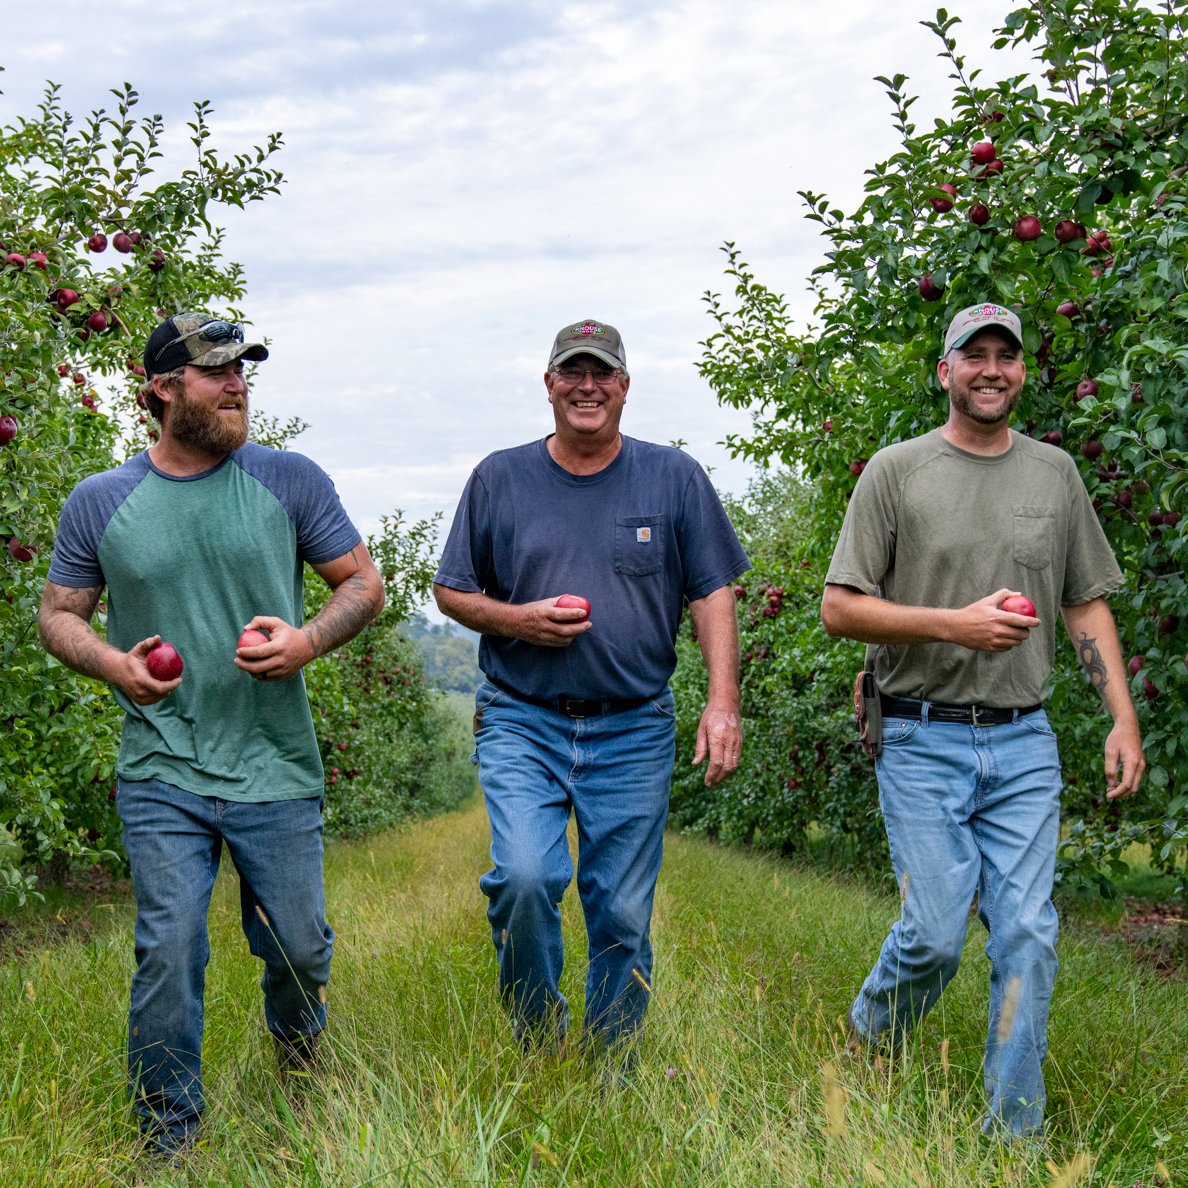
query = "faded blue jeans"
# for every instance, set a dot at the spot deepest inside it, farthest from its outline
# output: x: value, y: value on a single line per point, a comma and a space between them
x: 613, y: 772
x: 973, y: 808
x: 174, y: 841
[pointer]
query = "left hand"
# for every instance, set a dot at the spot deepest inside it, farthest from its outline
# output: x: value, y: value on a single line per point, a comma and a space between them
x: 720, y: 734
x: 286, y: 653
x: 1123, y: 748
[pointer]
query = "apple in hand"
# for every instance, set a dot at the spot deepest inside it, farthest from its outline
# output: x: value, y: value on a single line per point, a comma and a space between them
x: 1018, y: 604
x: 251, y: 638
x: 164, y: 664
x: 574, y: 602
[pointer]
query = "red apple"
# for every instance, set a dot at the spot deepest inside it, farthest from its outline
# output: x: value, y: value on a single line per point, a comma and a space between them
x: 15, y: 260
x: 1028, y: 228
x: 828, y: 426
x: 1099, y: 241
x: 1124, y: 499
x: 157, y: 260
x: 1136, y: 665
x: 1155, y: 519
x: 1053, y: 437
x: 135, y: 237
x: 1067, y: 231
x: 1068, y: 309
x: 1149, y: 690
x: 979, y: 214
x: 18, y: 550
x: 79, y: 378
x: 1171, y: 519
x: 8, y: 429
x: 574, y: 602
x: 164, y: 664
x: 252, y: 639
x: 138, y: 370
x: 97, y: 320
x: 994, y: 167
x: 1019, y: 604
x: 39, y: 260
x: 941, y: 205
x: 1169, y: 624
x: 67, y: 298
x: 857, y: 466
x: 1092, y: 450
x: 928, y: 289
x: 983, y: 152
x: 97, y: 242
x: 122, y: 241
x: 63, y: 369
x: 1087, y: 387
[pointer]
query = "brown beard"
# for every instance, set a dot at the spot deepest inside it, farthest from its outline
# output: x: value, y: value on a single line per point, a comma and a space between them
x: 960, y: 399
x: 205, y: 429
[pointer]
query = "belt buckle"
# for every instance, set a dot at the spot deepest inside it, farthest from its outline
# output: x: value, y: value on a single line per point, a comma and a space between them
x: 565, y: 703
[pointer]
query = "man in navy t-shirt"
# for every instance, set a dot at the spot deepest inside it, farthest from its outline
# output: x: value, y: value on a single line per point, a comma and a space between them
x: 576, y: 713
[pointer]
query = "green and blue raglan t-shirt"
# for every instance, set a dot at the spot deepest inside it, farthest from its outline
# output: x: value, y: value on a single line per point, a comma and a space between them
x: 193, y: 559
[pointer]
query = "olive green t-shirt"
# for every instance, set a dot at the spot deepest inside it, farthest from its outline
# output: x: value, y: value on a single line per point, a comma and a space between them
x: 932, y: 525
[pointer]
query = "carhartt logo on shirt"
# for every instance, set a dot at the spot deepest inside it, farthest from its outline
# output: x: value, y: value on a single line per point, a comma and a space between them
x: 643, y: 535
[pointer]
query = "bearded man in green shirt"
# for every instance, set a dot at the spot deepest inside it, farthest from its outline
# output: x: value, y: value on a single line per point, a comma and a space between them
x: 196, y: 539
x: 940, y: 531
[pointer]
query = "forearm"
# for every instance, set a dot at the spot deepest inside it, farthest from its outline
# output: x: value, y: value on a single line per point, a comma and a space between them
x: 716, y: 621
x: 1091, y: 628
x: 354, y: 603
x: 75, y: 643
x: 477, y: 611
x: 858, y: 616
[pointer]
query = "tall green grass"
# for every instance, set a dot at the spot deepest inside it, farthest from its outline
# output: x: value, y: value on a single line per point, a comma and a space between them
x: 744, y: 1077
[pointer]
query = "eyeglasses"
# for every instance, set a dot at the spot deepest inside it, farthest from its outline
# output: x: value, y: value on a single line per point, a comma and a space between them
x: 603, y: 376
x: 217, y: 331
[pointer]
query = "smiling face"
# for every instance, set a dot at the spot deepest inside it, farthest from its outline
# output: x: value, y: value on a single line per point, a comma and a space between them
x: 984, y: 378
x: 208, y: 412
x: 592, y: 404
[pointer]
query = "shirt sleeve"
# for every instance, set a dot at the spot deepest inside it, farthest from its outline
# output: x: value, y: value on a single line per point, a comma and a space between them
x: 865, y: 548
x: 711, y: 555
x: 1090, y: 568
x: 81, y: 525
x: 466, y: 560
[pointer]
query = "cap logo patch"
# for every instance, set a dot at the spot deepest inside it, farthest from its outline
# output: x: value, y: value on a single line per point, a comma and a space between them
x: 988, y: 311
x: 588, y: 328
x: 643, y: 535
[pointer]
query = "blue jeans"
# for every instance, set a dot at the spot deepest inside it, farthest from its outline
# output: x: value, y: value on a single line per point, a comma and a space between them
x: 613, y: 772
x: 973, y: 808
x: 174, y: 841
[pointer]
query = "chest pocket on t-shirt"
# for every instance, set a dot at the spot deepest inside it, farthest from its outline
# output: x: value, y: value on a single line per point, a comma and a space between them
x: 639, y: 545
x: 1035, y: 536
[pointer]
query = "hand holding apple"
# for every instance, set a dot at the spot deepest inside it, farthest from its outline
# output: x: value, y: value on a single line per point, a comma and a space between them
x: 135, y: 676
x: 987, y: 626
x: 285, y: 652
x: 550, y: 624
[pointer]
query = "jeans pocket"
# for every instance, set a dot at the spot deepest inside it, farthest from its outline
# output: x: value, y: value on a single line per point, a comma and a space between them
x: 1037, y: 723
x: 899, y: 730
x: 664, y: 706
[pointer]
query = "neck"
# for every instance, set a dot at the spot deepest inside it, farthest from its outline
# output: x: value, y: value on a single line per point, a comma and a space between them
x: 176, y: 458
x: 585, y: 454
x: 976, y: 438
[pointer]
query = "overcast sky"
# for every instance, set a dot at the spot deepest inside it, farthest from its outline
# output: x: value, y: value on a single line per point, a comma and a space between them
x: 465, y: 177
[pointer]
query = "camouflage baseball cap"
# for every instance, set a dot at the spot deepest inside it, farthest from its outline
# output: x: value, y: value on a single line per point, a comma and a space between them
x: 588, y: 337
x: 981, y: 317
x: 197, y: 339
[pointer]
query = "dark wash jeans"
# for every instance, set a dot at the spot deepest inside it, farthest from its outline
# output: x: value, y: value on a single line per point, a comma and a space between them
x: 613, y: 772
x: 174, y: 841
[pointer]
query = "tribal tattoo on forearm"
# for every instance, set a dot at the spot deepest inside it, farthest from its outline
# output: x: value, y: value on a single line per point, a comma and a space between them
x: 351, y: 607
x: 1090, y: 657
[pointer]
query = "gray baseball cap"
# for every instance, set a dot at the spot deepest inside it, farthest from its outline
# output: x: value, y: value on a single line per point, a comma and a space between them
x: 588, y: 337
x: 981, y: 317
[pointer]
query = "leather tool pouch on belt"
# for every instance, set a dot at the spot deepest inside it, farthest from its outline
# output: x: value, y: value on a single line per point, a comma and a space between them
x: 868, y: 714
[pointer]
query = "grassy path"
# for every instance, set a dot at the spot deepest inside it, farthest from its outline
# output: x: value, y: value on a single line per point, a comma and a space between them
x: 744, y: 1078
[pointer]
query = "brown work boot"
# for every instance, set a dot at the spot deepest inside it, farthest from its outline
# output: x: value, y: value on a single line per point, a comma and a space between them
x: 296, y: 1056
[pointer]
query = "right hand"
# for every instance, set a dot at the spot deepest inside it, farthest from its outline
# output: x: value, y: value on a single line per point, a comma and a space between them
x: 982, y: 627
x: 548, y: 624
x: 134, y: 678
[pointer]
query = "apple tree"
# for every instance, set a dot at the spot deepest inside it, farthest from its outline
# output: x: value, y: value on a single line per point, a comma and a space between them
x: 94, y: 249
x: 1061, y: 193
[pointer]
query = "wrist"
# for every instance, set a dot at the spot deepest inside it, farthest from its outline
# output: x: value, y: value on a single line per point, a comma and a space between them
x: 944, y: 626
x: 726, y: 696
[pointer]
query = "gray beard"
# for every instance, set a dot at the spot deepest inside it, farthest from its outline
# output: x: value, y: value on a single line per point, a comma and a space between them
x: 204, y: 429
x: 959, y: 398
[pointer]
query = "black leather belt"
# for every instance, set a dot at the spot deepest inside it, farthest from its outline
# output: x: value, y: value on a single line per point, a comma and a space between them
x: 573, y: 707
x: 971, y: 715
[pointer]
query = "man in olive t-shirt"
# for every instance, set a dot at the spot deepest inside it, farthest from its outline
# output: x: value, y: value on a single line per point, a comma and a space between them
x: 195, y: 539
x: 940, y: 530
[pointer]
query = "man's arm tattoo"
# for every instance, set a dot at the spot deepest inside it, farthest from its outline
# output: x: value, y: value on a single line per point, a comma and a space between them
x: 351, y: 607
x: 1090, y: 657
x: 64, y: 625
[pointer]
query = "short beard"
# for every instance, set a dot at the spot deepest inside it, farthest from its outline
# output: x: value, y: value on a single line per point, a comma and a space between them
x: 206, y: 430
x: 959, y: 398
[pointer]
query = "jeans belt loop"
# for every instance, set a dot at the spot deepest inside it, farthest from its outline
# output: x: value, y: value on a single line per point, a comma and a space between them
x: 1015, y: 717
x: 924, y: 705
x: 973, y: 713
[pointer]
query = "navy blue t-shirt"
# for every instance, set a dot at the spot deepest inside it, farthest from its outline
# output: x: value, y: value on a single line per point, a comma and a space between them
x: 635, y: 539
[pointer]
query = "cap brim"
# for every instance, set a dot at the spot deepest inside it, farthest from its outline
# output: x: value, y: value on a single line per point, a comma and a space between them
x: 585, y: 349
x: 256, y: 352
x: 993, y: 326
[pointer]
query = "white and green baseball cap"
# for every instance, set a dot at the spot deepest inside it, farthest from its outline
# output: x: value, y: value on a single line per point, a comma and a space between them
x: 969, y: 321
